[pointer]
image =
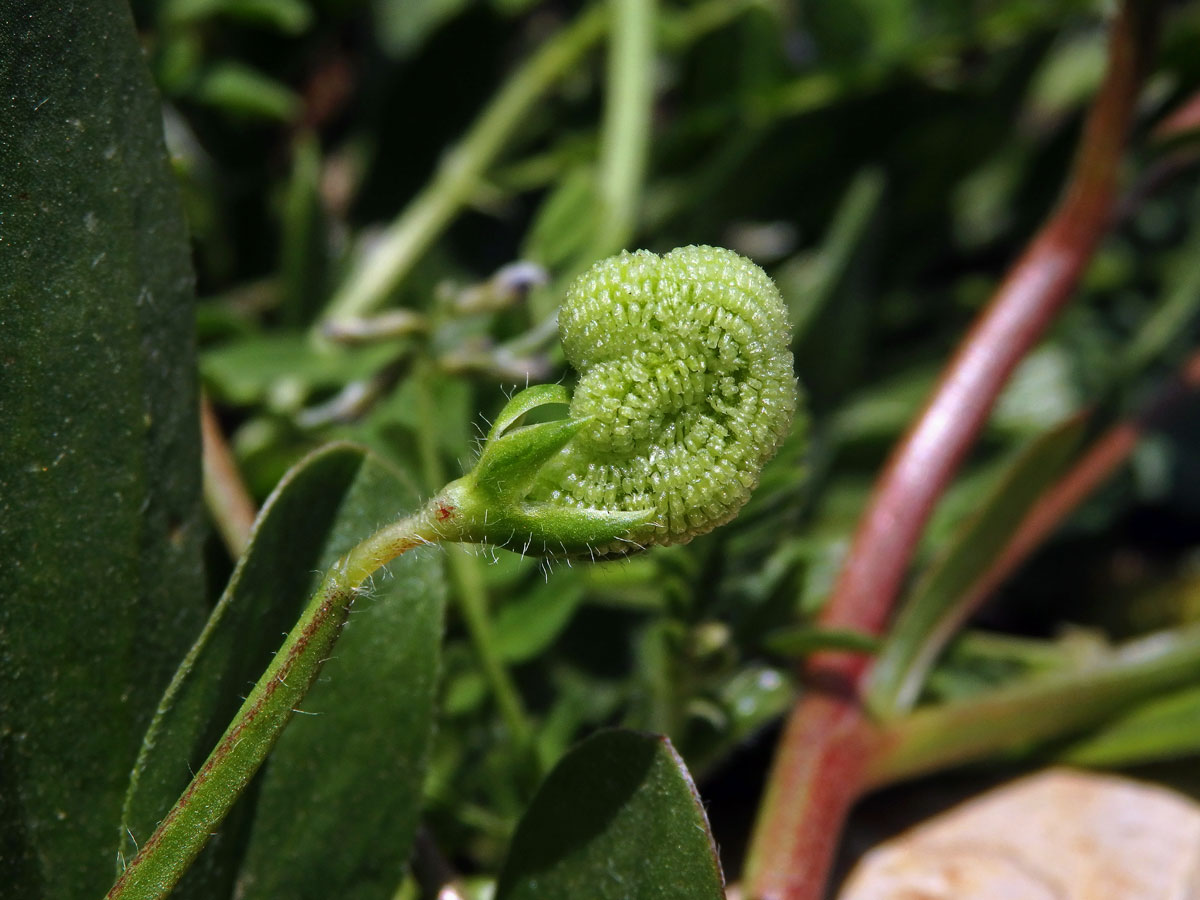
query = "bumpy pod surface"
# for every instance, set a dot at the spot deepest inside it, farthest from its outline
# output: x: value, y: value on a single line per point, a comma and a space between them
x: 685, y: 382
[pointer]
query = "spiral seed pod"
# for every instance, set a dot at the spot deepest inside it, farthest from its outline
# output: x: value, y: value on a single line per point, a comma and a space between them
x: 685, y: 390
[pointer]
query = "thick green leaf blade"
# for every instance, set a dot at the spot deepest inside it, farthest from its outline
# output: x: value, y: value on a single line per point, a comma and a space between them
x: 936, y: 605
x: 342, y: 792
x: 619, y: 817
x: 100, y: 510
x: 262, y: 601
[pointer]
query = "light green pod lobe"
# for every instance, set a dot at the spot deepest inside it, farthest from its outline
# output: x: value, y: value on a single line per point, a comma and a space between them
x: 685, y: 377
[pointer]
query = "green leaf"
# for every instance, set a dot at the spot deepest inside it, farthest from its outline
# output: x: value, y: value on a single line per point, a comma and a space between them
x: 402, y: 26
x: 529, y: 623
x: 303, y: 250
x: 236, y: 88
x: 264, y: 596
x: 811, y: 282
x: 378, y: 693
x: 288, y: 676
x: 288, y: 16
x: 100, y: 511
x: 804, y: 640
x: 619, y: 817
x: 1163, y: 728
x: 528, y: 399
x: 567, y: 221
x: 244, y: 371
x: 1031, y: 711
x: 349, y: 775
x: 945, y: 594
x: 509, y: 464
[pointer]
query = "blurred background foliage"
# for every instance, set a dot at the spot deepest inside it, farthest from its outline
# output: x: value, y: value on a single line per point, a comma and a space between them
x: 883, y: 159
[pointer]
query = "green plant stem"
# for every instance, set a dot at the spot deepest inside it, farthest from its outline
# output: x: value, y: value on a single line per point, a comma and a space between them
x: 460, y: 171
x: 468, y: 584
x: 1048, y: 707
x: 628, y: 110
x: 472, y: 603
x: 244, y: 746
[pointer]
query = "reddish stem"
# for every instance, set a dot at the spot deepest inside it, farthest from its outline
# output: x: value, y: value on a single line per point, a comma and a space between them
x: 1092, y: 470
x: 229, y: 502
x: 818, y: 767
x: 1183, y: 121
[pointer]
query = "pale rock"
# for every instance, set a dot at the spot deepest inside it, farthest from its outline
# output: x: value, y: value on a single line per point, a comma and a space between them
x: 1058, y: 835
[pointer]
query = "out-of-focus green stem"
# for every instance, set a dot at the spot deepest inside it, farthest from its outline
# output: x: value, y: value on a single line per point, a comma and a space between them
x: 467, y: 581
x: 472, y: 602
x: 458, y: 175
x: 627, y: 121
x: 1045, y: 708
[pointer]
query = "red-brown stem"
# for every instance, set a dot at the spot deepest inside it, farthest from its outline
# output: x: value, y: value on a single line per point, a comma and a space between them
x: 1184, y: 120
x: 817, y: 773
x: 1093, y: 469
x: 225, y: 493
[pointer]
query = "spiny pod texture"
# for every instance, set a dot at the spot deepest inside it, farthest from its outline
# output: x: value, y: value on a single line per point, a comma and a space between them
x: 685, y: 380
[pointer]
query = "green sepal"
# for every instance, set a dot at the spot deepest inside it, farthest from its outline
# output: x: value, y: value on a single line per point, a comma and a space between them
x: 510, y: 463
x: 576, y: 531
x: 543, y: 529
x: 488, y: 504
x: 523, y: 402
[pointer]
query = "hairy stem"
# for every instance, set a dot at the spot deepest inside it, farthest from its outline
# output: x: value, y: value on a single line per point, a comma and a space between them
x: 244, y: 746
x: 458, y: 176
x: 814, y: 780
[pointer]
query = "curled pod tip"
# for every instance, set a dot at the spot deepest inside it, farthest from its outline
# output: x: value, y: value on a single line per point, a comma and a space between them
x: 685, y: 389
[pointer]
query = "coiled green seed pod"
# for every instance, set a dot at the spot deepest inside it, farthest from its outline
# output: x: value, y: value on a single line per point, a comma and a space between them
x: 686, y: 390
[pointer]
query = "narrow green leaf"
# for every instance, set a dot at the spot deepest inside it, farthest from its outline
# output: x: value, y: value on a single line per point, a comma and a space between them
x: 935, y: 607
x: 528, y: 399
x: 810, y: 284
x: 303, y: 242
x: 288, y: 16
x: 619, y: 817
x: 1033, y: 711
x: 100, y: 510
x: 527, y: 624
x: 508, y: 465
x: 342, y: 792
x: 1163, y: 728
x: 236, y: 88
x: 262, y: 601
x: 567, y: 220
